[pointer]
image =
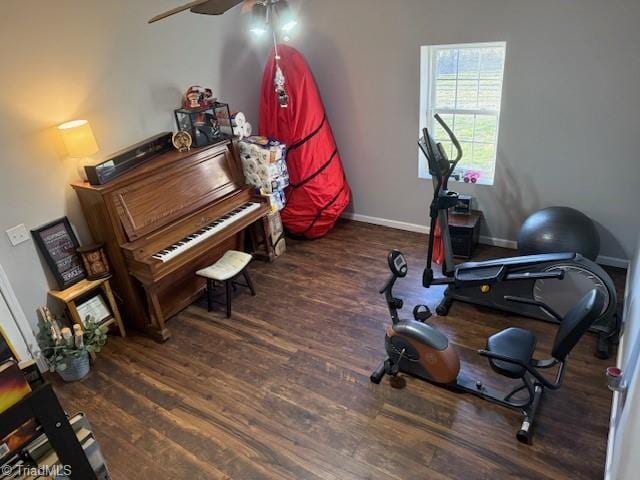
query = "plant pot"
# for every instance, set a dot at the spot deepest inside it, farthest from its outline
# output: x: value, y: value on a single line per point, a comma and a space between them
x: 77, y: 368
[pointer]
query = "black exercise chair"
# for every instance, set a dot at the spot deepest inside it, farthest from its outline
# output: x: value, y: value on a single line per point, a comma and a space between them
x: 510, y: 353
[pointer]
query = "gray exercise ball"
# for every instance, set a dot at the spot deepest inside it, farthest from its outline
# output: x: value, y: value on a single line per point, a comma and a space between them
x: 559, y: 229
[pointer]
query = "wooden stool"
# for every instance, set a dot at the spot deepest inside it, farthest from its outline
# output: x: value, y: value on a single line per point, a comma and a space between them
x: 72, y: 295
x: 225, y: 270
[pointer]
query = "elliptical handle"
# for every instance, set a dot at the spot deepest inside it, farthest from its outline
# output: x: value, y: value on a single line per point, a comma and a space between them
x: 453, y: 138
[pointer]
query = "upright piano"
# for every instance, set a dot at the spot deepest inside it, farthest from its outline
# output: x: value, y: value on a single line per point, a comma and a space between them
x: 166, y: 219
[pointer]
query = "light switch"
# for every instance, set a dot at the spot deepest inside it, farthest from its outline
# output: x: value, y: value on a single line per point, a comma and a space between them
x: 18, y: 235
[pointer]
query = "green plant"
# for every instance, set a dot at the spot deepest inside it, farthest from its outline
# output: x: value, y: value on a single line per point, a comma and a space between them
x: 57, y: 349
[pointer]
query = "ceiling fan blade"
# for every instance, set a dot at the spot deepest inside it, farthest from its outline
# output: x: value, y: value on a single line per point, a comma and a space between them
x: 215, y: 7
x: 182, y: 8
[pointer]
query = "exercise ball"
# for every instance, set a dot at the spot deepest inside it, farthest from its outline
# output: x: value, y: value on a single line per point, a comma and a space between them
x: 559, y: 229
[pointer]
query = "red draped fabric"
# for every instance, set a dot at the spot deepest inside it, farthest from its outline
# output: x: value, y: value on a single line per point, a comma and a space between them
x: 319, y: 192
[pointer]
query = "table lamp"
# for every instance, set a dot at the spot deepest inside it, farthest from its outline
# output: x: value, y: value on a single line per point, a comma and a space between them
x: 80, y: 142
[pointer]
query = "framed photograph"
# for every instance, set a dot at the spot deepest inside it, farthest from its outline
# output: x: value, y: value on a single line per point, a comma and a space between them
x: 96, y: 306
x: 58, y: 244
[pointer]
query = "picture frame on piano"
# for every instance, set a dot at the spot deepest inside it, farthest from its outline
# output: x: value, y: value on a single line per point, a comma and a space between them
x: 57, y: 242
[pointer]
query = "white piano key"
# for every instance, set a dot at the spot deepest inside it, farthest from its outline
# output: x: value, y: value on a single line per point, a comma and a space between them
x: 205, y: 232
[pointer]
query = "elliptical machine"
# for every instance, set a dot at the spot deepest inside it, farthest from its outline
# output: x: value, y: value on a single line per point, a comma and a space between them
x: 420, y: 350
x: 483, y: 283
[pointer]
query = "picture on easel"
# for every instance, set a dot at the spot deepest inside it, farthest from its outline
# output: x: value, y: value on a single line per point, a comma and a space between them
x: 94, y: 306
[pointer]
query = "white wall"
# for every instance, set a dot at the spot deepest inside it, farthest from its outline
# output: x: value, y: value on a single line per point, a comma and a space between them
x: 569, y: 132
x: 97, y: 60
x: 623, y: 461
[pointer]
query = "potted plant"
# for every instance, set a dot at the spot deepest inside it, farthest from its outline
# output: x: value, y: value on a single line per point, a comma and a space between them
x: 66, y: 350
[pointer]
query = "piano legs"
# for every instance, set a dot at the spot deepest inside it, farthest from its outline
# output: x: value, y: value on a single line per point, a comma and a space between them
x: 157, y: 329
x: 261, y: 236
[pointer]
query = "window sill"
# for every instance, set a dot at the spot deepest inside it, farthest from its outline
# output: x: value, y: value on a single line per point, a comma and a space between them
x: 481, y: 181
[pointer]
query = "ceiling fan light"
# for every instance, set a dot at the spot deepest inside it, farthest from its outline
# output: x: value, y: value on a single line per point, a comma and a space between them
x: 259, y: 20
x: 287, y: 20
x: 290, y: 25
x: 258, y: 31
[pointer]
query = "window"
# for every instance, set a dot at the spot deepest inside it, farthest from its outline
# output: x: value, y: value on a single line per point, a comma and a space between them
x: 463, y: 83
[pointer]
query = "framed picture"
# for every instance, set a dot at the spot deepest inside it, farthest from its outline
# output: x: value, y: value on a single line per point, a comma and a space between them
x: 96, y: 306
x: 7, y: 351
x: 57, y: 243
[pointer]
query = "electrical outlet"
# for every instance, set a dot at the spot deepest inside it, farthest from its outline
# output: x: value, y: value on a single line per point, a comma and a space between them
x: 18, y: 235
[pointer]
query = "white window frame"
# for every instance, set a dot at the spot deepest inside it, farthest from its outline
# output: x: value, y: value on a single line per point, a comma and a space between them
x: 427, y: 94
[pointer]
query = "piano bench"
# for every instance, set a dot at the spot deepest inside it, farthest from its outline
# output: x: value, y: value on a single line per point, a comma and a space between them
x: 224, y: 271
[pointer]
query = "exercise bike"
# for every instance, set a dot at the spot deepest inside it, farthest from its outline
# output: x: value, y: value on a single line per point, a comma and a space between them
x: 417, y: 349
x: 482, y: 283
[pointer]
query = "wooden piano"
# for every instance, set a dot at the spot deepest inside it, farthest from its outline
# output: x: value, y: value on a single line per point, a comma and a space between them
x: 166, y: 219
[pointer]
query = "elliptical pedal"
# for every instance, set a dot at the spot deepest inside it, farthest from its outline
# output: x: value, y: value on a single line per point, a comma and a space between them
x: 421, y: 313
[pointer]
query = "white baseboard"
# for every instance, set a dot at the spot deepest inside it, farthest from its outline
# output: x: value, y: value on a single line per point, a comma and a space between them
x: 613, y: 262
x: 407, y: 227
x: 493, y: 241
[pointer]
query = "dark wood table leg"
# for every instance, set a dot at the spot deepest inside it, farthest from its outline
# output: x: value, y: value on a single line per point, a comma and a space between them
x: 209, y: 294
x: 229, y: 294
x: 247, y: 278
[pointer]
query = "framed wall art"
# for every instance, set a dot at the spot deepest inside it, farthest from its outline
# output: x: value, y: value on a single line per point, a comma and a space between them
x: 58, y: 244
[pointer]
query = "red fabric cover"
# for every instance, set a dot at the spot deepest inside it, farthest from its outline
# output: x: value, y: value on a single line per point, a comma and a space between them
x: 313, y: 207
x: 438, y: 246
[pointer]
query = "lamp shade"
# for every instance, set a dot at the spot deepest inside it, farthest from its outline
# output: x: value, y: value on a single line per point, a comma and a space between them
x: 78, y: 138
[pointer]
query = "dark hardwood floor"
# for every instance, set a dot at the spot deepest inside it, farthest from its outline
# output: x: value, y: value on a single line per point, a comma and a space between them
x: 281, y: 390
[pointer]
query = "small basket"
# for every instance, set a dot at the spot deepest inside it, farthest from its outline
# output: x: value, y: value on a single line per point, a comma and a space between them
x: 77, y: 368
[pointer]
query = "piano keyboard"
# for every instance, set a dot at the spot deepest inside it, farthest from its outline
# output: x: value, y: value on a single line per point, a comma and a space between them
x: 206, y: 232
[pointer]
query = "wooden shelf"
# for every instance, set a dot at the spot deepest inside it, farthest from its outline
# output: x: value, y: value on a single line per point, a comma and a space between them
x: 84, y: 287
x: 78, y: 290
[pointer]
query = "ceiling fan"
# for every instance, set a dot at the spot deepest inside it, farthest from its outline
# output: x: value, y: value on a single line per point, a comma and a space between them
x: 263, y: 12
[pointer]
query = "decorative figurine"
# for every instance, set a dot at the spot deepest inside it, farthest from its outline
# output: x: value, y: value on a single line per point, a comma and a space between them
x: 182, y: 141
x: 198, y: 97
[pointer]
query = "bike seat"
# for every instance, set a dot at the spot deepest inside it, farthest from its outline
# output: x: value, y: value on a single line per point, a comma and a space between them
x: 515, y: 343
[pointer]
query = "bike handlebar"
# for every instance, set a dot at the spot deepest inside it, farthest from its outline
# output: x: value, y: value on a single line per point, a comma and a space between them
x: 389, y: 283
